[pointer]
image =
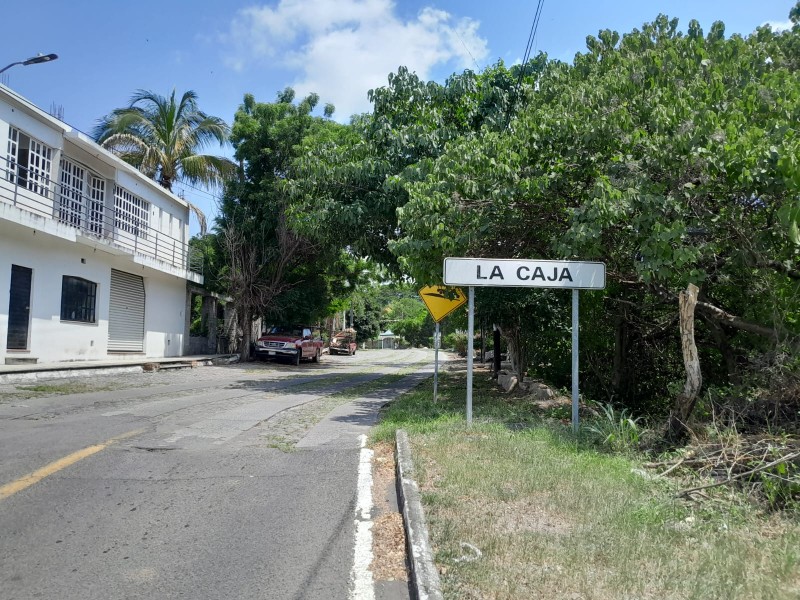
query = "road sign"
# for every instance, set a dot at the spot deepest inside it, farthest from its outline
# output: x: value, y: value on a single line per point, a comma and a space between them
x: 508, y: 272
x: 438, y: 302
x: 504, y: 272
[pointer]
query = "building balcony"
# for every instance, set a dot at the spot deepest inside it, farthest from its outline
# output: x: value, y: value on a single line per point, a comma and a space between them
x: 107, y: 219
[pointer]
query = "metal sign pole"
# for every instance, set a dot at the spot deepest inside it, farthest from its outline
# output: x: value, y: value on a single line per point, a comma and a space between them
x: 575, y: 361
x: 470, y: 335
x: 436, y: 362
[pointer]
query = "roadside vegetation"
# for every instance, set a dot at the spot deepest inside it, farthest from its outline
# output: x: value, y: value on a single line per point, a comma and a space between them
x: 21, y: 391
x: 519, y: 507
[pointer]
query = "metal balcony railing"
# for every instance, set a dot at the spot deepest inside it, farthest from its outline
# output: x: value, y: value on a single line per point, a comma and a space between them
x: 95, y: 215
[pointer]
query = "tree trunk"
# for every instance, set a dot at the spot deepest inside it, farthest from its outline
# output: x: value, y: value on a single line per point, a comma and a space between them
x: 497, y: 358
x: 685, y: 401
x: 246, y: 325
x: 516, y: 351
x: 618, y: 368
x: 724, y: 346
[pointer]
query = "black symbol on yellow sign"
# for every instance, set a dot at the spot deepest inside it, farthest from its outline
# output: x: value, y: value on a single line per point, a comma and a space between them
x: 441, y: 301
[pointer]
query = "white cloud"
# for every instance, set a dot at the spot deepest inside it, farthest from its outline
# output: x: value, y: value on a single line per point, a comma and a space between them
x: 342, y: 48
x: 779, y: 25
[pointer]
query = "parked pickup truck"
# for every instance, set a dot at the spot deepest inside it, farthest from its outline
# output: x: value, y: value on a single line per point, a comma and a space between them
x: 344, y: 342
x: 293, y: 343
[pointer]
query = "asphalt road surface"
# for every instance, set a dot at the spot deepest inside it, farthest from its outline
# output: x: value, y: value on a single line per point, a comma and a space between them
x: 229, y: 482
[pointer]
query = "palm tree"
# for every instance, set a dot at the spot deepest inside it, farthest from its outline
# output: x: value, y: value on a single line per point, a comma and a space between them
x: 162, y: 137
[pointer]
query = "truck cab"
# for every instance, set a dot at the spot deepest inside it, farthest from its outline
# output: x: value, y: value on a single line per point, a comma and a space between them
x: 291, y: 343
x: 344, y: 342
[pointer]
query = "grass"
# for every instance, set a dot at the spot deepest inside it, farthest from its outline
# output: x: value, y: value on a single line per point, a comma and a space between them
x: 287, y: 428
x: 40, y: 390
x: 558, y: 517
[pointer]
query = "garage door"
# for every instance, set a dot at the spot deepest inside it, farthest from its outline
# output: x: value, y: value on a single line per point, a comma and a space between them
x: 126, y: 315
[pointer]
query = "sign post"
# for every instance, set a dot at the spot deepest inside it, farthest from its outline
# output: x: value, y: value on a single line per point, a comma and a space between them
x: 435, y: 362
x: 439, y: 304
x: 575, y: 326
x: 503, y: 272
x: 470, y: 335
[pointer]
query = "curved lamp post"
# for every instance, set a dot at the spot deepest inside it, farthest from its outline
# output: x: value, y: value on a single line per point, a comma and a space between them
x: 34, y: 60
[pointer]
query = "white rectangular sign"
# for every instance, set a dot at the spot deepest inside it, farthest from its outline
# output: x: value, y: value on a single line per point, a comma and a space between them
x: 504, y: 272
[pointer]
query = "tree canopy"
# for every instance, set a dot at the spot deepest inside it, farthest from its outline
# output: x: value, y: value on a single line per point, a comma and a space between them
x: 670, y: 155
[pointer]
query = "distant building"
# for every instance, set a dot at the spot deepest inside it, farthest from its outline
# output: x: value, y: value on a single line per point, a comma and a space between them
x: 94, y: 256
x: 388, y: 340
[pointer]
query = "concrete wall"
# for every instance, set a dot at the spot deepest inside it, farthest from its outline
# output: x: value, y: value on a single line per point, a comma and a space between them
x: 54, y: 340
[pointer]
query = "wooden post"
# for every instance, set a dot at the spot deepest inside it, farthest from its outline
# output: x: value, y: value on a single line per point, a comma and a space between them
x: 685, y: 401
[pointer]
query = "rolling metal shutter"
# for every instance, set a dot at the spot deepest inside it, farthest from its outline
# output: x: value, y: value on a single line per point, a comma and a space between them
x: 126, y: 314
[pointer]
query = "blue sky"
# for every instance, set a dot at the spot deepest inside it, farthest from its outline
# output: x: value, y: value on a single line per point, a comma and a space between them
x: 337, y: 48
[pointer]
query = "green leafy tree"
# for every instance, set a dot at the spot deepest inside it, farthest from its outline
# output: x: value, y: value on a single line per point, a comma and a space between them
x: 350, y: 182
x: 673, y: 158
x: 272, y: 271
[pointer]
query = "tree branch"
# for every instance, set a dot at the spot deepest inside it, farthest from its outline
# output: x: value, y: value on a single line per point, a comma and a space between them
x: 780, y: 268
x: 737, y: 322
x: 774, y: 463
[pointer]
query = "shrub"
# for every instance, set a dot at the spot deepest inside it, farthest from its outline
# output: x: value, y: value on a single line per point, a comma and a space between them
x: 617, y: 430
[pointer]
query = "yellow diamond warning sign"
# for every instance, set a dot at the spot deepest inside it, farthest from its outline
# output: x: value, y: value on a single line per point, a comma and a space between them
x: 441, y: 301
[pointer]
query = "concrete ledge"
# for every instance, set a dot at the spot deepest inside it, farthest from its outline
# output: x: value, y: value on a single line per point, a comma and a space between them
x: 66, y: 373
x: 111, y: 366
x: 424, y: 575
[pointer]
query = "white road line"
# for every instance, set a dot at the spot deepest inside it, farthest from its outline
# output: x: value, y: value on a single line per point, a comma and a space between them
x: 361, y: 576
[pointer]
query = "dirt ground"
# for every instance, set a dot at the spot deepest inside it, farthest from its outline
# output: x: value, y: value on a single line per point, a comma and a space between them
x: 388, y: 534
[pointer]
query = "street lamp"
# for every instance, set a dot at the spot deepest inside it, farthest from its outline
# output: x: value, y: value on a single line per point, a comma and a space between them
x: 34, y: 60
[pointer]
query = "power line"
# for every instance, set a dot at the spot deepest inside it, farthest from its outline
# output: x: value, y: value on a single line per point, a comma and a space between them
x: 477, y: 66
x: 531, y: 37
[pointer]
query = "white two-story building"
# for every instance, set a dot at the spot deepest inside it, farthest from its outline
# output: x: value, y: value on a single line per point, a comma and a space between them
x: 94, y: 256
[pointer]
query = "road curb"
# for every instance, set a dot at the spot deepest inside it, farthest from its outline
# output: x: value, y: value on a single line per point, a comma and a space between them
x: 424, y: 575
x: 67, y: 373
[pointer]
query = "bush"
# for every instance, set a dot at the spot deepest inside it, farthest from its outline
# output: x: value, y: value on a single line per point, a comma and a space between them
x: 617, y: 430
x: 457, y: 341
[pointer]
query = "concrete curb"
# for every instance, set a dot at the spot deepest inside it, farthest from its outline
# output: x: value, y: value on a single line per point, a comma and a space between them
x: 424, y: 575
x: 67, y: 373
x: 62, y: 370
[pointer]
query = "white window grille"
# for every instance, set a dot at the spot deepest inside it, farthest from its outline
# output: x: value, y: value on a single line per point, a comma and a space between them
x: 97, y: 202
x: 11, y: 154
x: 29, y: 161
x: 131, y: 213
x: 71, y: 198
x: 75, y: 206
x: 39, y: 165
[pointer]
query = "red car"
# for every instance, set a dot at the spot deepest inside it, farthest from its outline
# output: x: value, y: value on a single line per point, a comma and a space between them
x: 293, y: 343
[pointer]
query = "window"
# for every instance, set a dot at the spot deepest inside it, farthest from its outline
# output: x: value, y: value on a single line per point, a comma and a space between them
x: 76, y: 207
x: 78, y: 298
x: 131, y: 213
x: 96, y: 205
x: 71, y: 198
x: 29, y: 162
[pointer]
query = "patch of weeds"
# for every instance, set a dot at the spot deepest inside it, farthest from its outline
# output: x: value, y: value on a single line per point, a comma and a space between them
x: 279, y: 443
x: 40, y: 390
x: 616, y: 430
x: 781, y: 486
x: 558, y: 413
x: 364, y: 389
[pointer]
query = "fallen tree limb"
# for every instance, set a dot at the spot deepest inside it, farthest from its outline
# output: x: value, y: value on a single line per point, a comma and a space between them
x: 774, y: 463
x: 672, y: 468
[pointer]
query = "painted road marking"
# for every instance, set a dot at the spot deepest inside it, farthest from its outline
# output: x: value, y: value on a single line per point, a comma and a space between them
x: 361, y: 576
x: 28, y: 480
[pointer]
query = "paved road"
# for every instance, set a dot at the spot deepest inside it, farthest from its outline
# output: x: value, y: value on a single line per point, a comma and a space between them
x: 219, y: 482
